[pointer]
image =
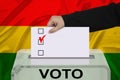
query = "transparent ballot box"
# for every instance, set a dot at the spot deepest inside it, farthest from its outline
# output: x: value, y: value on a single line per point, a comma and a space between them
x: 31, y: 68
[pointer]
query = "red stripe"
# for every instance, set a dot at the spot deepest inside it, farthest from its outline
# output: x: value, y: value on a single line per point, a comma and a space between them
x: 38, y: 12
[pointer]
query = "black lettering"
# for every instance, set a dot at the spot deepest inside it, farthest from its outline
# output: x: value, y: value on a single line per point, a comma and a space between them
x: 66, y: 72
x: 52, y: 75
x: 77, y: 70
x: 44, y: 75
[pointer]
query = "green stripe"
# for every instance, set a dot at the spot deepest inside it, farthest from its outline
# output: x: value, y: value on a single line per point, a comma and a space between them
x: 114, y: 64
x: 7, y: 61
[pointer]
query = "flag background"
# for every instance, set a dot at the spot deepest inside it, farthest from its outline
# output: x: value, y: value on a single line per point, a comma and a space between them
x: 38, y: 12
x: 16, y: 17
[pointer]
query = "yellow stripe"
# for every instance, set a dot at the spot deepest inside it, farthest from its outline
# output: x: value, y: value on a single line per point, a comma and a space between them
x: 107, y: 40
x: 14, y: 38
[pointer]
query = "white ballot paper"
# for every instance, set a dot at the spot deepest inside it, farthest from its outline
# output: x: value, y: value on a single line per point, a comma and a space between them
x: 69, y: 42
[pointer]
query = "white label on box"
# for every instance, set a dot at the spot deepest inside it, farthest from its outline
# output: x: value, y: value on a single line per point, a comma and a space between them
x: 67, y: 42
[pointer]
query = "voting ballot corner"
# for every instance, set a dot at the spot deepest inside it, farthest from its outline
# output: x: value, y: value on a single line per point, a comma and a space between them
x: 53, y: 57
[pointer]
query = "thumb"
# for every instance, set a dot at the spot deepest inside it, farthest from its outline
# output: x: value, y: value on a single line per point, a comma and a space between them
x: 58, y: 27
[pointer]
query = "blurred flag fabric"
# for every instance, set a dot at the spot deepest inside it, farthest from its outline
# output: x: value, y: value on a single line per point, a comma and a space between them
x: 38, y: 12
x: 17, y: 16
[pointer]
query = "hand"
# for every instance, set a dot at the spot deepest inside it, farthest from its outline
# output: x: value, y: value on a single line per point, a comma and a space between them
x: 57, y: 22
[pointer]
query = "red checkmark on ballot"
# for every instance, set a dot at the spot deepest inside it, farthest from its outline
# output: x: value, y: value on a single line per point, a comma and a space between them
x: 42, y: 38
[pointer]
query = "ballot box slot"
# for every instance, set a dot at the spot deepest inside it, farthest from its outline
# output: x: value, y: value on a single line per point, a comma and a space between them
x: 90, y: 57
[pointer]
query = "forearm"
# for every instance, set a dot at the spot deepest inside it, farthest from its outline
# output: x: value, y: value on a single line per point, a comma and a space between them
x: 97, y: 18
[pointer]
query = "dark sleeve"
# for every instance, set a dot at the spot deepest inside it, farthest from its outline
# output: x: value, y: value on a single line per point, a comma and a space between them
x: 97, y: 18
